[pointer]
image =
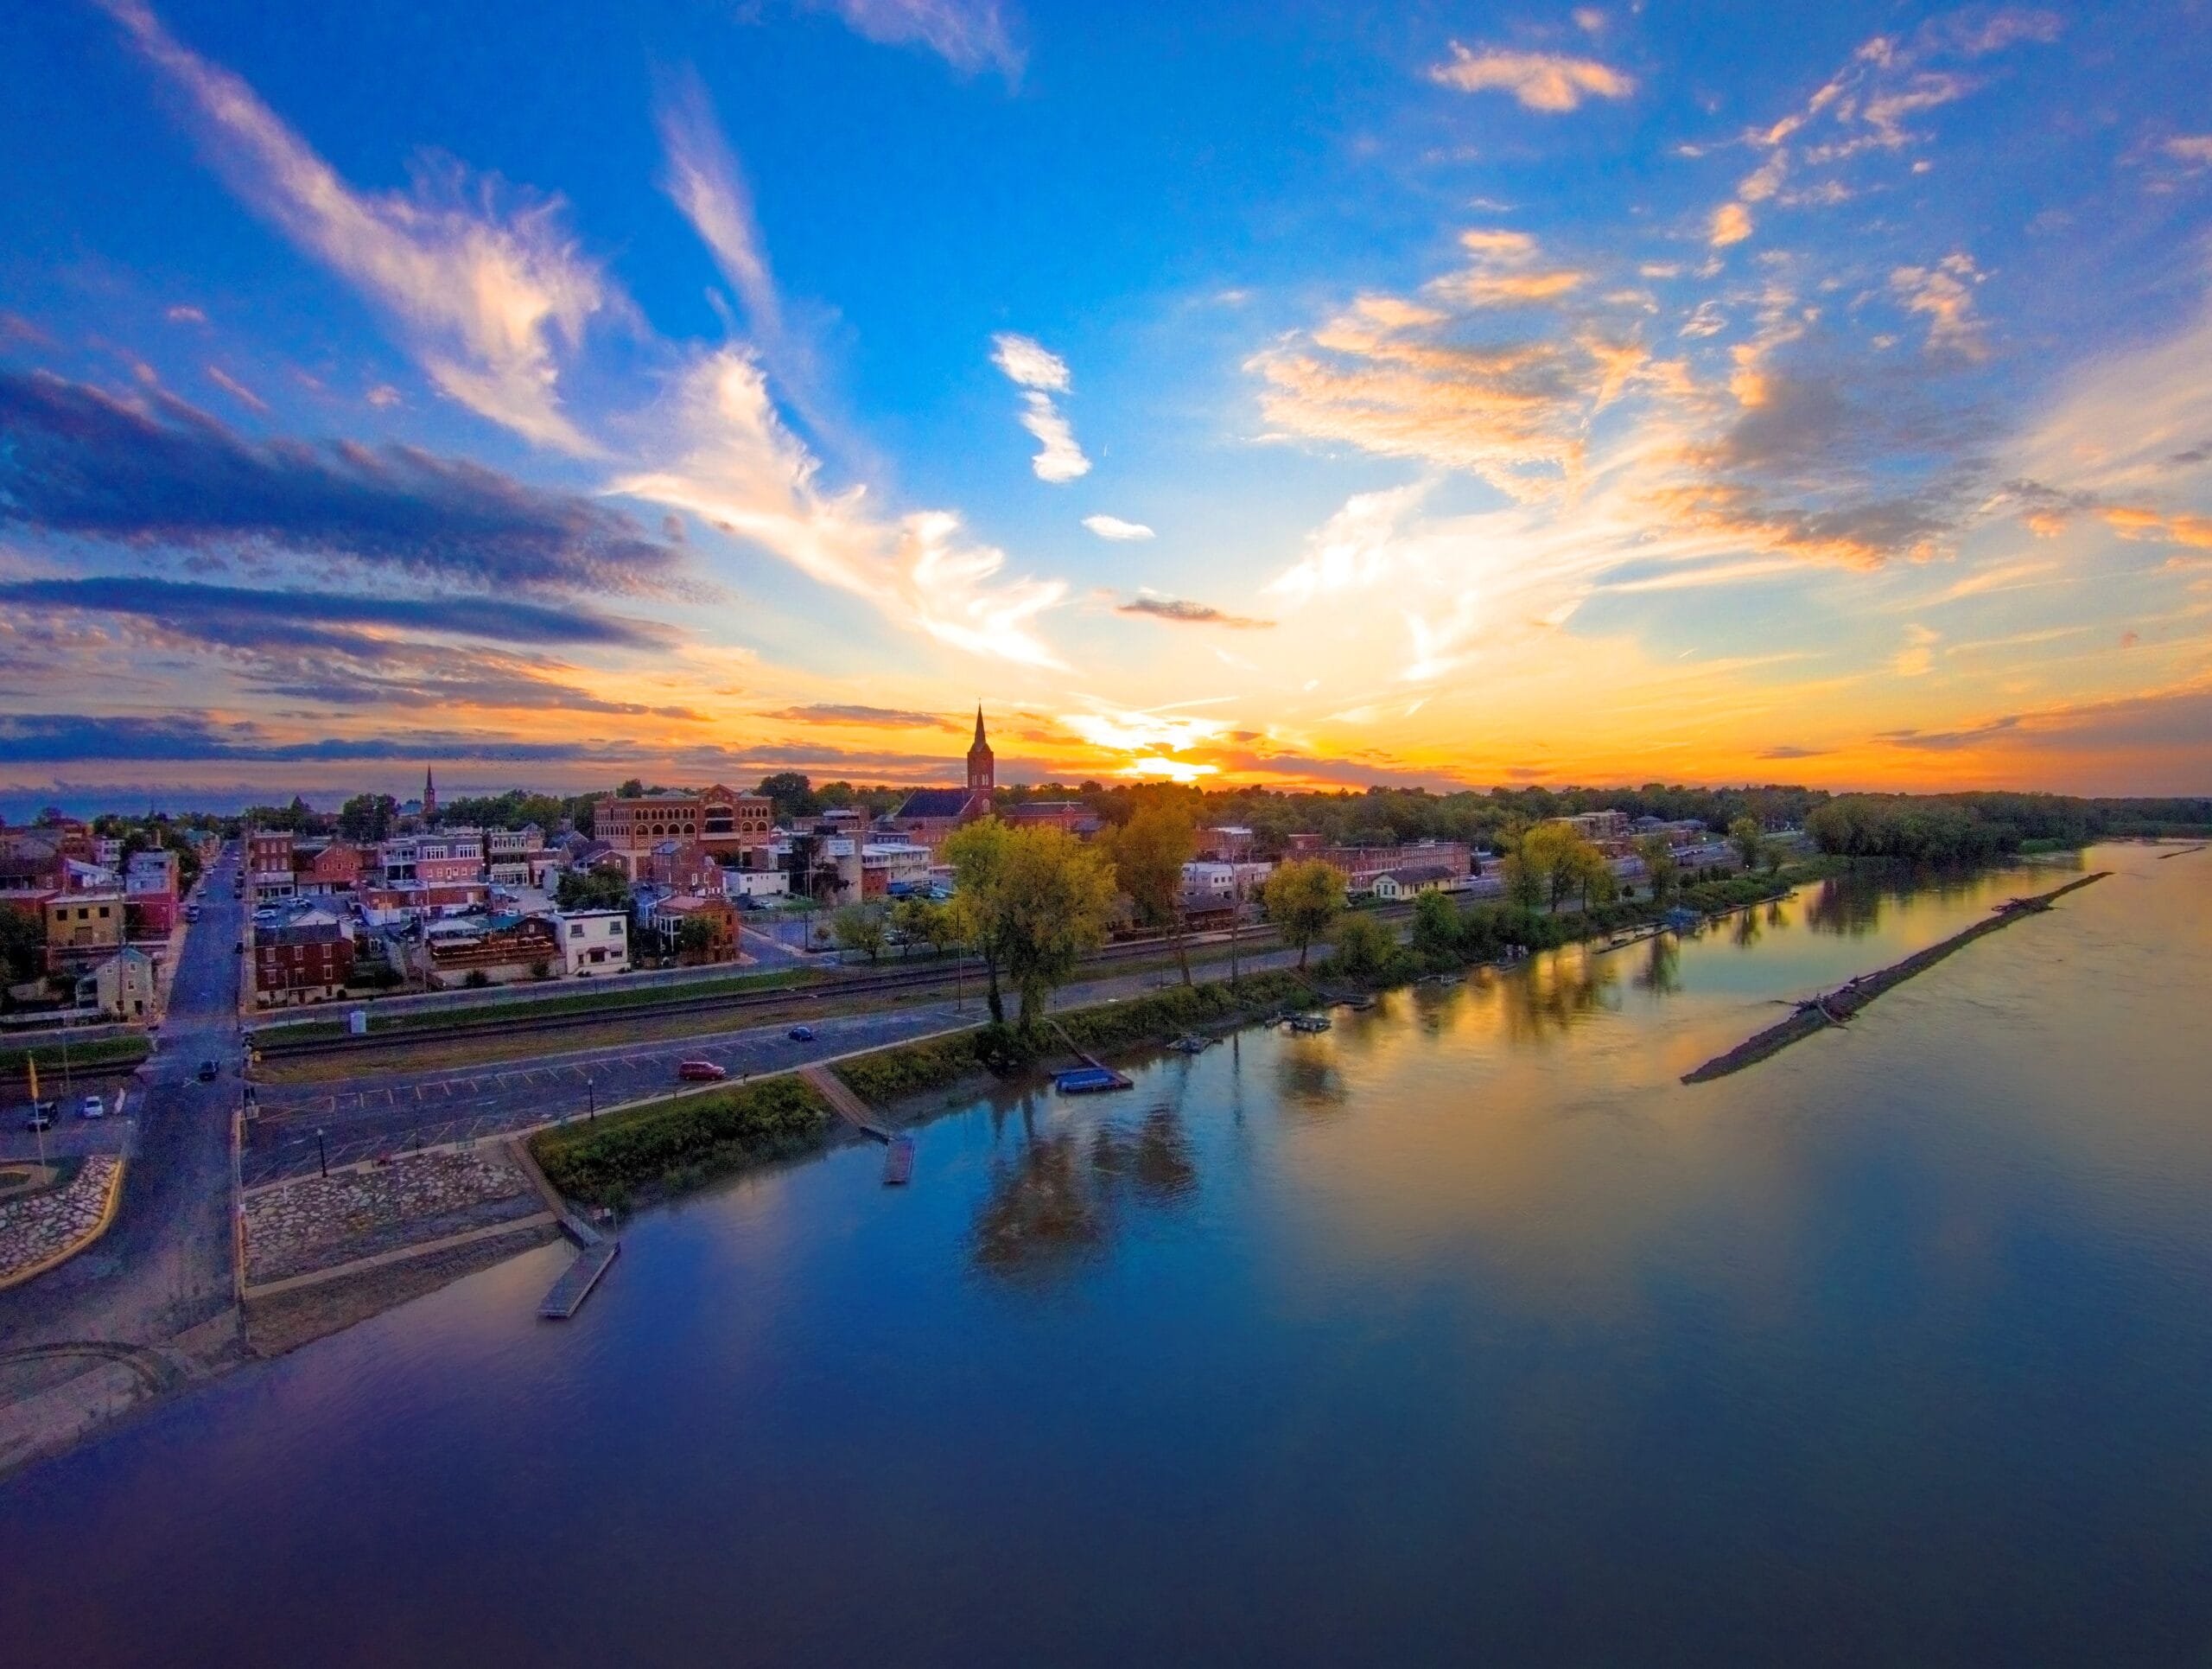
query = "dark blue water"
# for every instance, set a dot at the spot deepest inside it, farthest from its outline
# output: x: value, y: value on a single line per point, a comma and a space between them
x: 1461, y: 1333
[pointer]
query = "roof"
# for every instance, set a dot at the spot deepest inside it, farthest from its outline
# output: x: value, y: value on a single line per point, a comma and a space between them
x: 1418, y: 873
x: 305, y: 933
x: 935, y: 802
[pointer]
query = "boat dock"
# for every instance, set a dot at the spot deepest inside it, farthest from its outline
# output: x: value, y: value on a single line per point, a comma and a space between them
x: 569, y: 1292
x: 842, y: 1102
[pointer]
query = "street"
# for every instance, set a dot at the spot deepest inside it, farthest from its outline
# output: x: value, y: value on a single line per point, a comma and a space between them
x: 166, y: 1264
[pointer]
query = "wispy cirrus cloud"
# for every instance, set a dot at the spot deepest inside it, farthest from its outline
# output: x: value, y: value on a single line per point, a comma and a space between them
x: 1943, y: 295
x: 485, y: 283
x: 731, y: 461
x: 881, y: 718
x: 970, y: 35
x: 1552, y: 82
x: 1042, y: 373
x: 497, y: 619
x: 154, y: 472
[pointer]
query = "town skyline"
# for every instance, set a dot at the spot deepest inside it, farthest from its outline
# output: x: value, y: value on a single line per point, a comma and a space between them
x: 1482, y: 397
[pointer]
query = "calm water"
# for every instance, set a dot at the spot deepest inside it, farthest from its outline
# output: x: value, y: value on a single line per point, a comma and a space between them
x: 1461, y: 1332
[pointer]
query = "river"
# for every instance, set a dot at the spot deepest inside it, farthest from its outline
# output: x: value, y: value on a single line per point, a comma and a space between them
x: 1463, y: 1332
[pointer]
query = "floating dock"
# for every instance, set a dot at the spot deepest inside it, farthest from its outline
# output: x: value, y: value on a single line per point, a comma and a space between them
x: 1090, y: 1080
x: 899, y: 1162
x: 569, y: 1292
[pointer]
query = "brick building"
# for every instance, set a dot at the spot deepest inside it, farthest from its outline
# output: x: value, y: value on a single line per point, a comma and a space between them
x: 304, y: 962
x: 722, y: 821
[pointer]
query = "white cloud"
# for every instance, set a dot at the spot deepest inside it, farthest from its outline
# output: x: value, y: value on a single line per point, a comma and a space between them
x: 1113, y: 527
x: 1944, y: 293
x: 1032, y: 366
x: 483, y: 292
x: 735, y: 465
x: 1029, y: 364
x: 1540, y: 81
x: 2195, y: 148
x: 1732, y: 223
x: 705, y: 182
x: 970, y: 35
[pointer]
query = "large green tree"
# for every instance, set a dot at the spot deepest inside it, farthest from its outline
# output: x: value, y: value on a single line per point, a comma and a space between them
x: 861, y: 927
x: 1303, y: 898
x: 1149, y: 852
x: 1036, y: 899
x: 977, y: 854
x: 1658, y: 856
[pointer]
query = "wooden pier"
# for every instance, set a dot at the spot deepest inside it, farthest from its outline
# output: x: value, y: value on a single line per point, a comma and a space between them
x: 846, y: 1104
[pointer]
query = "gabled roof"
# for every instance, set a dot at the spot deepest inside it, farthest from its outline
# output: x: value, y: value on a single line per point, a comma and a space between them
x: 1417, y: 874
x: 935, y: 802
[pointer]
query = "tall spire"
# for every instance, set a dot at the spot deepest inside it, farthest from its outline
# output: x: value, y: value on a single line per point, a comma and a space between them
x: 982, y: 770
x: 429, y: 793
x: 980, y: 742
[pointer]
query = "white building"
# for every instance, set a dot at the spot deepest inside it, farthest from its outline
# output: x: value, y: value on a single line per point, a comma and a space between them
x: 1219, y: 884
x: 1393, y: 885
x: 593, y: 941
x: 756, y: 883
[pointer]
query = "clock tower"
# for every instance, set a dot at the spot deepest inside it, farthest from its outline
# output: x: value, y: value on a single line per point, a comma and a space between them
x: 982, y: 770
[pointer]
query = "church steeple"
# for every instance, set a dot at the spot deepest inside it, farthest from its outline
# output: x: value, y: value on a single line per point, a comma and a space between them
x: 430, y: 795
x: 982, y: 770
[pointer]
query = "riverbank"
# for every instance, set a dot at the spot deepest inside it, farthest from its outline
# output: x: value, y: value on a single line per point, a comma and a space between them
x: 1838, y: 1007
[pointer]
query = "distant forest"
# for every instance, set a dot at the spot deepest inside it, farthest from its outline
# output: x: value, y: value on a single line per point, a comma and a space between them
x: 1922, y: 827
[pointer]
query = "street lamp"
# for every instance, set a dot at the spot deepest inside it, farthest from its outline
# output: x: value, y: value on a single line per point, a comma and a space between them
x: 322, y: 1157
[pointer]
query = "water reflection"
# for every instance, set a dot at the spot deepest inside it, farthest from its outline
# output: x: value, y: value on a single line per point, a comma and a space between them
x: 1662, y: 972
x: 1308, y: 1079
x: 1058, y: 1201
x: 1744, y: 930
x: 1553, y: 992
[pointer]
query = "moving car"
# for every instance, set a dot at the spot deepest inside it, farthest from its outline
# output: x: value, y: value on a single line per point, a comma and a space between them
x: 701, y: 1072
x: 207, y: 1070
x: 39, y: 1117
x: 94, y: 1107
x: 801, y: 1034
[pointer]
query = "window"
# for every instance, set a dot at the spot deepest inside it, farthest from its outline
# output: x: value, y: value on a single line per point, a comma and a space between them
x: 614, y: 930
x: 576, y: 930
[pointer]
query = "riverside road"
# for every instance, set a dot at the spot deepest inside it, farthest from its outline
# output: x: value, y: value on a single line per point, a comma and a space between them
x: 379, y: 1111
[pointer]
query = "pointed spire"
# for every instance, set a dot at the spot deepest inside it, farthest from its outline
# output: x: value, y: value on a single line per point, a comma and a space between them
x: 979, y: 724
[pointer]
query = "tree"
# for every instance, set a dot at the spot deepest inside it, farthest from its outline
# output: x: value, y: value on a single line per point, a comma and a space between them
x: 1050, y: 902
x: 860, y: 927
x: 977, y: 854
x: 1303, y: 898
x: 792, y: 792
x: 1523, y: 885
x: 367, y: 816
x: 592, y: 889
x: 1149, y: 852
x: 1361, y: 946
x: 632, y: 789
x: 1746, y: 835
x: 1593, y: 875
x: 924, y: 920
x: 1436, y: 925
x: 1658, y: 854
x: 1556, y: 856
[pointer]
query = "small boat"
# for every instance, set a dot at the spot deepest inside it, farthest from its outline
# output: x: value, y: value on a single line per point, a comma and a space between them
x: 1310, y: 1023
x: 1358, y: 1002
x: 1190, y: 1043
x: 899, y: 1162
x: 1090, y: 1080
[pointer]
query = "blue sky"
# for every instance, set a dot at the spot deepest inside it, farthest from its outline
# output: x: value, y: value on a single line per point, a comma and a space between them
x: 1449, y: 394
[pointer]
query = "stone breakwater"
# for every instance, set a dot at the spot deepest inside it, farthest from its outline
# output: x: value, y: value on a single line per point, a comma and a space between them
x: 40, y: 1229
x: 1834, y: 1007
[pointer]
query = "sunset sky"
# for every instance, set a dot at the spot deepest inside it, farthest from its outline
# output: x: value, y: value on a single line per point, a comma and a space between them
x: 1300, y: 394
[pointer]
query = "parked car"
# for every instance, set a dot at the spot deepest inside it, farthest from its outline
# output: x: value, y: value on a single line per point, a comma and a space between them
x: 94, y: 1107
x: 702, y: 1072
x: 801, y: 1034
x: 207, y: 1070
x: 238, y: 949
x: 39, y: 1115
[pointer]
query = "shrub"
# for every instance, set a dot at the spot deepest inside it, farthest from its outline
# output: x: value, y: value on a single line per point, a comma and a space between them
x: 1361, y: 947
x: 694, y: 1137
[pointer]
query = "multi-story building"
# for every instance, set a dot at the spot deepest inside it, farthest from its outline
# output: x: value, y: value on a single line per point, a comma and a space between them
x: 716, y: 932
x: 593, y: 941
x: 1211, y: 886
x: 306, y: 962
x: 1605, y: 829
x: 721, y: 819
x: 149, y: 885
x: 509, y: 855
x: 681, y: 866
x: 435, y: 858
x: 1361, y: 865
x: 269, y: 864
x: 335, y: 867
x: 1068, y: 816
x: 83, y: 929
x: 122, y: 986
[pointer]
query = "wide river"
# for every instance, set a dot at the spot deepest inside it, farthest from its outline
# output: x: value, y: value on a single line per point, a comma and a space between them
x: 1462, y: 1333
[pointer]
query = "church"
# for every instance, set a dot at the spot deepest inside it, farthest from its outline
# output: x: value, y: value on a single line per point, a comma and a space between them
x: 928, y: 814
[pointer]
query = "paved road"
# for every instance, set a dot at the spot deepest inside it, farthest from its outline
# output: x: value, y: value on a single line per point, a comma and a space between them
x: 381, y: 1112
x: 166, y: 1264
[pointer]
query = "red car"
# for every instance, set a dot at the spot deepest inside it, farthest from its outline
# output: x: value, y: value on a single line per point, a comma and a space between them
x: 702, y: 1072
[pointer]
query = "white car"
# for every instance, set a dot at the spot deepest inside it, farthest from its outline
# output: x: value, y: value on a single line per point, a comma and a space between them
x: 92, y: 1108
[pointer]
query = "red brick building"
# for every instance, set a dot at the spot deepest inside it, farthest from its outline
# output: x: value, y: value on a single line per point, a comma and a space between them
x: 304, y: 963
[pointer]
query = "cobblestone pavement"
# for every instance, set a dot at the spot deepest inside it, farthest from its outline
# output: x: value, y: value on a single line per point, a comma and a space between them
x: 315, y: 1222
x: 36, y: 1228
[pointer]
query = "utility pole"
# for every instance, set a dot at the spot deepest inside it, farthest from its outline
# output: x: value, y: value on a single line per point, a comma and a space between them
x: 1235, y: 909
x: 322, y: 1157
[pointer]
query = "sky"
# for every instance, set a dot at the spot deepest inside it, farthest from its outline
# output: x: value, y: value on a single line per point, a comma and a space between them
x: 1294, y: 394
